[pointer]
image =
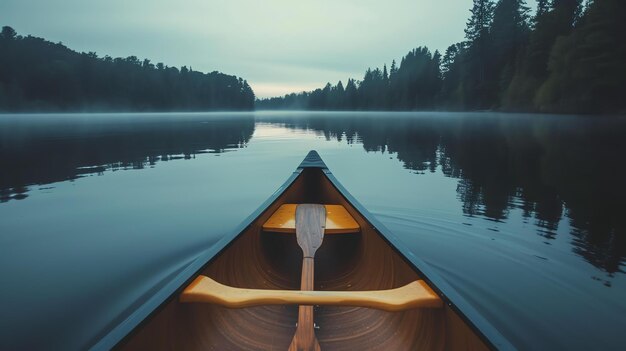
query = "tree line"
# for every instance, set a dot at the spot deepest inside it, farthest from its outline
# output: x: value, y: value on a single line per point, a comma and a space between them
x: 38, y: 75
x: 568, y: 56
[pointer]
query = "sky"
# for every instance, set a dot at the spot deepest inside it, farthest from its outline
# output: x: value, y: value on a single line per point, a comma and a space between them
x: 278, y: 46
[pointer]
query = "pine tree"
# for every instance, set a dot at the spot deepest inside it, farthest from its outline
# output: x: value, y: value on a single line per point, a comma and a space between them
x: 350, y: 95
x: 393, y: 70
x: 452, y: 68
x: 543, y: 6
x: 392, y: 93
x: 8, y: 33
x: 448, y: 58
x: 477, y: 78
x: 510, y: 32
x: 480, y: 20
x: 338, y: 96
x: 436, y: 77
x: 339, y: 87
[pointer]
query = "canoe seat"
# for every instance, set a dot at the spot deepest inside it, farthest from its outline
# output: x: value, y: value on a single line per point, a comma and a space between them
x: 416, y: 294
x: 338, y: 220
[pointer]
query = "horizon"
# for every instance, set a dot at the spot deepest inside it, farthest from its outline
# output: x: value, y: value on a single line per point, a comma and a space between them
x: 311, y: 55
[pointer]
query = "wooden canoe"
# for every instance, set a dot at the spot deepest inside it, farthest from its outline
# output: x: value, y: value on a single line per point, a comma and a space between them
x: 244, y: 292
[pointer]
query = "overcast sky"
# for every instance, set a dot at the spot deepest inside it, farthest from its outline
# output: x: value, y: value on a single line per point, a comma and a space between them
x: 278, y: 46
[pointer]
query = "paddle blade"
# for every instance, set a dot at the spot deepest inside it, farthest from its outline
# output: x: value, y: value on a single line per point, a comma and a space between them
x: 338, y: 220
x: 310, y: 223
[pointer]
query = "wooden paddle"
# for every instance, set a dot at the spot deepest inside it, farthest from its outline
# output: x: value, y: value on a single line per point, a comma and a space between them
x: 310, y: 223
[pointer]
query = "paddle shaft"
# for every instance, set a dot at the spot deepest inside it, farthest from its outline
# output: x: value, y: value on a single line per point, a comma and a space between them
x: 305, y: 339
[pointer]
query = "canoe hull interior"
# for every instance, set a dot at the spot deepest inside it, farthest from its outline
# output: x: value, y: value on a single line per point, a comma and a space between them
x: 263, y: 260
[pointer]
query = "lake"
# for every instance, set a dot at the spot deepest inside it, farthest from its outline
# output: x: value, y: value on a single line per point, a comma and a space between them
x: 525, y: 215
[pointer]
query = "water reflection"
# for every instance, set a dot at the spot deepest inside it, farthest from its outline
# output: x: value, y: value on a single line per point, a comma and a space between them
x: 547, y: 166
x: 49, y: 148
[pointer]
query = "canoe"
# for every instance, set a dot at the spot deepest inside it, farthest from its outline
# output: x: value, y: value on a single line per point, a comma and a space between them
x: 311, y: 269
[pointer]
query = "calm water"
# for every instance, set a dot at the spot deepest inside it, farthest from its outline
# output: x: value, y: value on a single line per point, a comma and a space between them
x: 524, y: 215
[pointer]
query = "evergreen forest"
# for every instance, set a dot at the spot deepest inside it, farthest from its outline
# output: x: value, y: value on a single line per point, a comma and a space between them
x: 38, y: 75
x: 568, y: 56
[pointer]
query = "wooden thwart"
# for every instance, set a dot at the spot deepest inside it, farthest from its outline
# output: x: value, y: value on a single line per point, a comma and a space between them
x: 416, y: 294
x: 338, y: 220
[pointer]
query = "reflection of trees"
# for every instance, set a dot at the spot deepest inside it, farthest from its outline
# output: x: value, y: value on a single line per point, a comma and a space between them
x: 45, y: 152
x: 546, y: 166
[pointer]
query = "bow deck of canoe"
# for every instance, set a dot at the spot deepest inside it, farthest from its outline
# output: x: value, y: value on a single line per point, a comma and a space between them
x: 356, y: 269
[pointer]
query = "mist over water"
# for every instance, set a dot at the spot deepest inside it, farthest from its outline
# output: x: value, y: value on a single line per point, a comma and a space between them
x: 522, y: 214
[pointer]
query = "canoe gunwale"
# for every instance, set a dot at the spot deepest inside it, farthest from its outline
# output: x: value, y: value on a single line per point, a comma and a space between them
x: 152, y: 306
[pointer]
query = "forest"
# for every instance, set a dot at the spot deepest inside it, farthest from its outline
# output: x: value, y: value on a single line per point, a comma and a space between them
x: 569, y: 56
x: 38, y: 75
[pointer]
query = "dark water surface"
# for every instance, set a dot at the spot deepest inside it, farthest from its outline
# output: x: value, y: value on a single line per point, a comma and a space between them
x: 524, y: 215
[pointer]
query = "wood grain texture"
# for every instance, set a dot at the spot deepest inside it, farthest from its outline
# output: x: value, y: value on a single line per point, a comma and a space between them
x: 261, y: 260
x: 304, y: 338
x: 416, y: 294
x: 310, y: 223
